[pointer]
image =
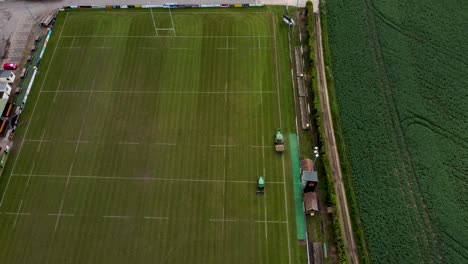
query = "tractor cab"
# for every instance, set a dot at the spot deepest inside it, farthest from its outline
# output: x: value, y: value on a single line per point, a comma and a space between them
x: 260, y: 185
x: 279, y: 141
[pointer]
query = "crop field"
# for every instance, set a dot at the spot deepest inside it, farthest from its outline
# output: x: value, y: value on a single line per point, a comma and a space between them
x: 143, y: 139
x: 402, y: 91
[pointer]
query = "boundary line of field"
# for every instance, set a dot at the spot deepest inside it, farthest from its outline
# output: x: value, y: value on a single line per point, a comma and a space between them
x: 157, y: 92
x: 33, y: 111
x: 134, y: 178
x: 148, y: 36
x: 280, y: 123
x: 158, y: 10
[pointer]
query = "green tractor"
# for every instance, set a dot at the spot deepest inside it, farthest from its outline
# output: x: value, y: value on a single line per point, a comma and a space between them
x: 279, y: 141
x: 261, y: 185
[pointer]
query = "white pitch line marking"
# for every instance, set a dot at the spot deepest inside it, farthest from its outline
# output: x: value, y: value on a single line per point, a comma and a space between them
x: 36, y: 140
x: 78, y: 141
x: 271, y: 222
x: 57, y: 91
x: 33, y: 111
x: 154, y: 22
x: 156, y: 218
x: 162, y: 92
x: 148, y: 36
x: 40, y: 141
x: 17, y: 214
x: 58, y: 215
x: 30, y: 173
x: 135, y: 178
x: 91, y: 92
x: 118, y: 216
x: 61, y: 215
x: 63, y: 198
x: 172, y: 21
x: 163, y: 144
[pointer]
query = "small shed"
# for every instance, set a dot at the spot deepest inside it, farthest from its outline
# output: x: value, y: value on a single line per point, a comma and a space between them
x: 309, y: 180
x: 310, y: 203
x: 307, y: 165
x: 7, y: 77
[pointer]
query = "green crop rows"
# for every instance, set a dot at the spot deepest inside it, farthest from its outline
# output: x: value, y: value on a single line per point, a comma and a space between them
x: 401, y: 72
x: 143, y: 138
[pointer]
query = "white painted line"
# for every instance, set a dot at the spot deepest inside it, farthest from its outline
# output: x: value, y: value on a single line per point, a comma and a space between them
x: 40, y: 141
x: 162, y: 92
x: 63, y: 197
x: 180, y: 48
x: 60, y: 214
x: 172, y: 21
x: 256, y: 146
x: 180, y: 13
x: 91, y: 92
x: 137, y: 178
x: 154, y: 22
x: 30, y: 173
x: 33, y: 111
x: 78, y: 141
x: 223, y: 146
x: 17, y: 214
x: 226, y: 48
x: 118, y: 216
x: 56, y: 92
x: 69, y: 174
x: 36, y: 140
x: 156, y: 217
x: 163, y: 144
x: 271, y: 222
x: 148, y: 36
x: 149, y: 48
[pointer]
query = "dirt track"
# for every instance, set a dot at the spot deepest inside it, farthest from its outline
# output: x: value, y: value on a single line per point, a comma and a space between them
x: 334, y: 159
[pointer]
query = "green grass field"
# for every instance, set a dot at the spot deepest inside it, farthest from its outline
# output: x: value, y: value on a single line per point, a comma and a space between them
x: 143, y: 138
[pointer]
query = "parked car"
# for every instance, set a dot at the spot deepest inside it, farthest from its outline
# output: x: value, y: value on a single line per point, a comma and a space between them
x: 10, y: 66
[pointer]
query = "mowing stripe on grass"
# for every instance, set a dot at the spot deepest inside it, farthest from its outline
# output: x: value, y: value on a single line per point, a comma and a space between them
x: 134, y: 178
x: 297, y: 186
